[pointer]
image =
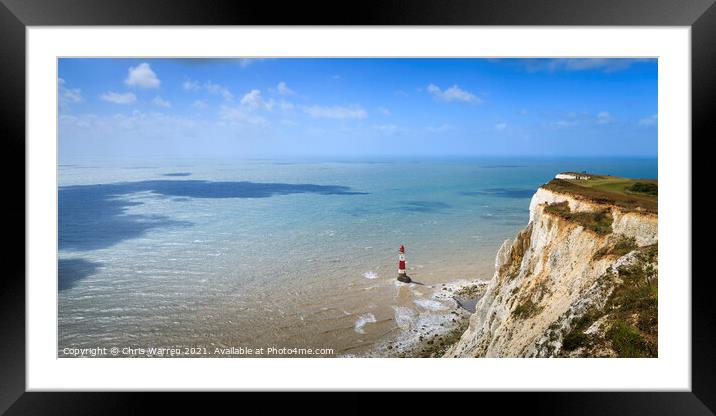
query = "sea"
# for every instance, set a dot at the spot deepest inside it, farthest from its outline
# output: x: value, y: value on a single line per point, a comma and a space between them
x: 292, y: 254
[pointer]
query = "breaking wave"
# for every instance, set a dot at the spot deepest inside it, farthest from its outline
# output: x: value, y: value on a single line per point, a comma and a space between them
x: 362, y: 321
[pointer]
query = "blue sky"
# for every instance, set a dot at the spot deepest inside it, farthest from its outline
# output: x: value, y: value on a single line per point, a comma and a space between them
x: 248, y: 108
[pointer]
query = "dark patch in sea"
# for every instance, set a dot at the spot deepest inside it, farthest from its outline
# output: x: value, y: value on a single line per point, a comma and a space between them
x: 95, y: 216
x: 178, y: 174
x: 92, y: 217
x: 71, y: 271
x: 209, y: 189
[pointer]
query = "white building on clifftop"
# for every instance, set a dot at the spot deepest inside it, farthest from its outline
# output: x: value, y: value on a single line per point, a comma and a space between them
x: 571, y: 176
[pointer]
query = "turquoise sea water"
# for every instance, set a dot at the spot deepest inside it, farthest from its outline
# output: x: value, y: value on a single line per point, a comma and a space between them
x: 283, y: 253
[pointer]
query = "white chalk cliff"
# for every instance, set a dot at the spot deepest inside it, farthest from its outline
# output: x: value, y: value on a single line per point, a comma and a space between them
x: 549, y: 276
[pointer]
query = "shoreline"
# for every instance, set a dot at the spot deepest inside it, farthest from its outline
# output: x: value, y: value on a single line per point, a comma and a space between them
x: 431, y: 333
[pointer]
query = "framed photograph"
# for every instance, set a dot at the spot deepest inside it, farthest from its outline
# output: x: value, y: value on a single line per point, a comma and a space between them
x: 440, y: 198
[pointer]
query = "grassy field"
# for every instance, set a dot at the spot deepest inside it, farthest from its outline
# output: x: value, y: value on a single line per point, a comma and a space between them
x: 630, y: 194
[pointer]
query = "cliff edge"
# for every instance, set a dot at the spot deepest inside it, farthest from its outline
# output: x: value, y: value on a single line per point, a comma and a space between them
x: 579, y: 280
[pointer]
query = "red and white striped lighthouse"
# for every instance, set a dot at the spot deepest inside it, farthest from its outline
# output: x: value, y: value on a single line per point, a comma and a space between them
x: 402, y: 276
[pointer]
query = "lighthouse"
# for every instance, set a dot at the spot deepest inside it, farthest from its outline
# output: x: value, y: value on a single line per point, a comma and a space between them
x: 402, y: 276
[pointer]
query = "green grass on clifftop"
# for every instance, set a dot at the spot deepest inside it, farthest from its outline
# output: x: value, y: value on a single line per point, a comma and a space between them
x: 626, y: 193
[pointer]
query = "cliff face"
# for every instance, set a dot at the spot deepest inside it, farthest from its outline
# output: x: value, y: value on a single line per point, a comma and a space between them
x: 556, y: 283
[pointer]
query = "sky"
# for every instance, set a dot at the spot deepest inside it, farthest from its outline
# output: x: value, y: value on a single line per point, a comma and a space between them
x: 134, y: 109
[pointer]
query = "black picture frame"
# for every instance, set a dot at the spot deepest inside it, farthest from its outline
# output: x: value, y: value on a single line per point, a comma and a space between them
x: 16, y: 15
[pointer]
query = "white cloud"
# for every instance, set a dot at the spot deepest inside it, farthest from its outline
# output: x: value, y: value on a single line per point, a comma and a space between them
x: 561, y: 124
x: 388, y: 129
x: 283, y: 89
x: 453, y: 93
x: 245, y: 62
x: 68, y: 95
x: 72, y: 95
x: 219, y: 90
x: 253, y: 100
x: 190, y: 85
x: 142, y: 76
x: 160, y: 102
x: 649, y: 121
x: 572, y: 119
x: 606, y: 65
x: 604, y: 117
x: 118, y: 98
x: 147, y: 125
x: 200, y: 104
x: 238, y: 114
x: 336, y: 112
x: 500, y: 126
x: 384, y: 111
x: 285, y: 105
x: 77, y: 121
x: 210, y: 87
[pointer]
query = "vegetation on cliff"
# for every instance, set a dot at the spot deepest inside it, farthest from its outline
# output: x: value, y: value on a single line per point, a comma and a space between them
x: 648, y: 188
x: 627, y: 325
x: 618, y: 247
x: 628, y: 194
x: 598, y: 221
